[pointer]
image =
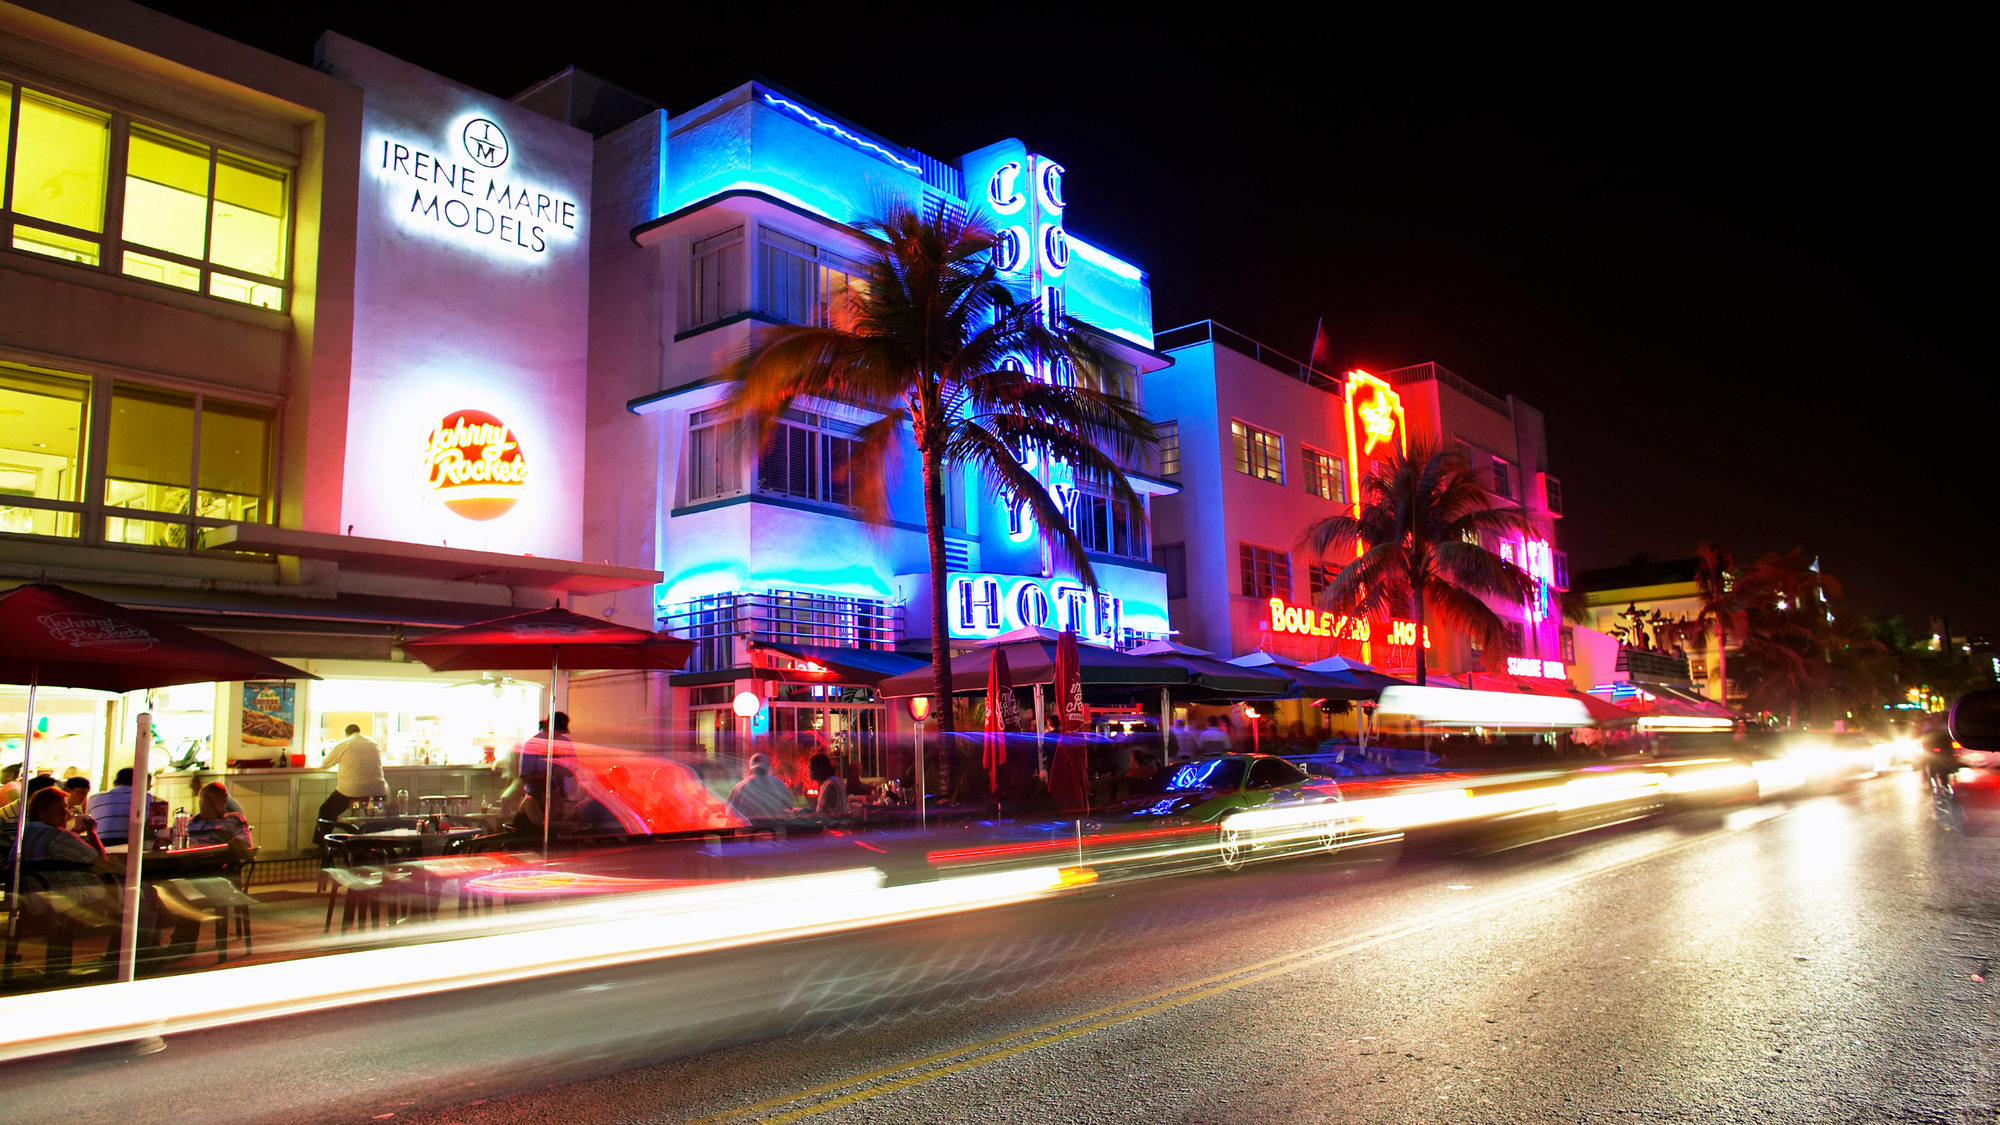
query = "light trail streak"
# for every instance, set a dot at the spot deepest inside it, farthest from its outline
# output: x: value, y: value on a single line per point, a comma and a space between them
x: 564, y: 939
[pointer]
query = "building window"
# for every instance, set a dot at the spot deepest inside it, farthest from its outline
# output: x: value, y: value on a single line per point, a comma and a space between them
x: 1259, y: 453
x: 1513, y: 636
x: 1569, y: 646
x: 1170, y: 448
x: 1503, y: 479
x: 807, y: 457
x: 1326, y: 475
x: 42, y: 450
x: 1172, y: 558
x: 1108, y: 525
x: 803, y: 283
x: 175, y: 463
x: 1267, y: 573
x: 194, y: 217
x: 1559, y: 563
x: 1318, y: 577
x: 1112, y: 378
x: 716, y: 277
x: 715, y: 455
x: 1554, y: 493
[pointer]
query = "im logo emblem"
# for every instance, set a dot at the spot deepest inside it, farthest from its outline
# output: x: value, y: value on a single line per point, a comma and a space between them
x: 485, y: 143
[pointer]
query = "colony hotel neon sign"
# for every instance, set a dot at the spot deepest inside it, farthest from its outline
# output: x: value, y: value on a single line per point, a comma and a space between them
x: 474, y: 464
x: 1307, y: 622
x: 472, y: 201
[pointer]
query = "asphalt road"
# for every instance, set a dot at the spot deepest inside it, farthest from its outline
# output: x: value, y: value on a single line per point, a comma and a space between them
x: 1821, y: 959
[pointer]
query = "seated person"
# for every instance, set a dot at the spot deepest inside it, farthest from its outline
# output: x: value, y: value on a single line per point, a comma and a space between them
x: 214, y: 823
x: 63, y: 860
x: 1143, y: 765
x: 112, y: 809
x: 759, y: 796
x: 10, y: 814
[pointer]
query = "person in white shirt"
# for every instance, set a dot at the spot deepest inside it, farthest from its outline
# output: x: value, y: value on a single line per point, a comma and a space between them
x: 1215, y: 740
x: 359, y: 762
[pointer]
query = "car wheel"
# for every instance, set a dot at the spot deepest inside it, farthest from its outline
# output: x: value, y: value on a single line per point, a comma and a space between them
x: 1231, y: 848
x: 1329, y: 832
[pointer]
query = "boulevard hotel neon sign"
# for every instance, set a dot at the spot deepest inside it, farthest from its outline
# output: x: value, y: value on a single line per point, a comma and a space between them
x: 1307, y: 622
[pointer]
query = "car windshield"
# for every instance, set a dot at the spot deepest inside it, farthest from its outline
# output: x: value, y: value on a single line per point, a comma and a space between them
x: 1215, y: 773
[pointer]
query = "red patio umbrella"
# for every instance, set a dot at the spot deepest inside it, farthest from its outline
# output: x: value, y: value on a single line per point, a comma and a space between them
x: 1068, y: 782
x: 555, y: 637
x: 1003, y: 714
x: 57, y: 636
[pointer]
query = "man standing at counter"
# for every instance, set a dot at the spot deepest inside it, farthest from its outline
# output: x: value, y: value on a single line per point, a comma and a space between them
x: 359, y: 761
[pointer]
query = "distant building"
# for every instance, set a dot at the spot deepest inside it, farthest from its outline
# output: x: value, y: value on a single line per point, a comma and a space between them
x: 1635, y: 605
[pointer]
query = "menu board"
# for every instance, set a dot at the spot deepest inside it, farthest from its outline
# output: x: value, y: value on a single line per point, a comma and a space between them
x: 267, y: 713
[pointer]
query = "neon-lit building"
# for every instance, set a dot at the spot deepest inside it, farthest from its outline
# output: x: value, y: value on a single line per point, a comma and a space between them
x: 295, y: 357
x: 739, y: 214
x: 1263, y: 445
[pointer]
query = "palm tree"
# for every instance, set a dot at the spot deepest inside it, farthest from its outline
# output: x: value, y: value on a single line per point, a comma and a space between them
x: 931, y: 339
x: 1722, y: 611
x: 1787, y: 638
x: 1424, y: 517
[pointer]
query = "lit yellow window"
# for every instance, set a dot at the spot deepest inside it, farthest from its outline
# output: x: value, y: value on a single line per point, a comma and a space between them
x: 151, y: 453
x: 59, y: 162
x: 235, y: 462
x: 42, y: 431
x: 162, y: 270
x: 166, y: 194
x: 249, y: 224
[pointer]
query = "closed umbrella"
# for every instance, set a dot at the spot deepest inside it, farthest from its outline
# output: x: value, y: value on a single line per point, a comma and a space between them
x: 1068, y: 783
x: 1002, y: 715
x: 57, y: 636
x: 556, y: 638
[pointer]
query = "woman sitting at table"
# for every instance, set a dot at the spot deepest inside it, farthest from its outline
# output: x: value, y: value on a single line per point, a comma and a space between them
x: 214, y: 823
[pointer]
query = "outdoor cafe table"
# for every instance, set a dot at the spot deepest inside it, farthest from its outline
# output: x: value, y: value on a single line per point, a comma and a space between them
x: 405, y: 841
x: 175, y: 863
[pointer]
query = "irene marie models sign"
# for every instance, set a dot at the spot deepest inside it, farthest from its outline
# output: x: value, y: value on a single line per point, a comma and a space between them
x: 462, y: 190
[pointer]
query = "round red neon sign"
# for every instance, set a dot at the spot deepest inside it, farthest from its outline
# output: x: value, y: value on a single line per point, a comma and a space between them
x: 475, y: 465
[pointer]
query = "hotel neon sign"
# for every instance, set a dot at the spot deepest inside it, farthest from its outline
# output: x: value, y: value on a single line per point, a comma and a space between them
x: 1308, y: 622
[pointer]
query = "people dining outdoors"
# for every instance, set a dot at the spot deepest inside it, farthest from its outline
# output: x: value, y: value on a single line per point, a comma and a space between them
x: 61, y: 859
x: 215, y: 823
x: 759, y: 796
x: 10, y: 814
x: 832, y: 791
x: 535, y: 771
x: 359, y: 762
x: 112, y: 809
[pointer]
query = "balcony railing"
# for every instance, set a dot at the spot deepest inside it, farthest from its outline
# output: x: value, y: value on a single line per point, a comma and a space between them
x: 1204, y: 331
x: 1426, y: 372
x: 717, y: 621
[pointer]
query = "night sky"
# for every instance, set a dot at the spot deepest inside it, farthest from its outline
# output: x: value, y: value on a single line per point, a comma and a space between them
x: 1733, y: 264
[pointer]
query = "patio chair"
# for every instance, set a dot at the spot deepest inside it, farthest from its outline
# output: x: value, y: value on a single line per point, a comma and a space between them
x: 215, y: 898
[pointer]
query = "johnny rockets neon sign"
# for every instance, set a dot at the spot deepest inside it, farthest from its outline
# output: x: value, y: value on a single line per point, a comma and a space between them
x: 1308, y: 622
x: 474, y: 464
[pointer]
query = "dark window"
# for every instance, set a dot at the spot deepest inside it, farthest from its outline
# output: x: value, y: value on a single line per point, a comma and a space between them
x: 1170, y: 448
x: 1318, y: 577
x: 1172, y: 558
x: 1555, y: 495
x: 1270, y: 773
x: 800, y: 459
x: 1107, y: 525
x: 1560, y: 564
x: 714, y: 695
x: 1503, y: 479
x: 1267, y: 573
x: 1569, y: 646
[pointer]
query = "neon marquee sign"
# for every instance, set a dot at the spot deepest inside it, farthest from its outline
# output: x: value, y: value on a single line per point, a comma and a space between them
x: 1529, y: 666
x: 1376, y: 426
x: 1307, y: 622
x: 473, y: 462
x: 986, y: 605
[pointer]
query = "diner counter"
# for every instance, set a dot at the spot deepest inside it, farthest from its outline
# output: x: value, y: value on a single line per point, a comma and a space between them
x: 282, y: 805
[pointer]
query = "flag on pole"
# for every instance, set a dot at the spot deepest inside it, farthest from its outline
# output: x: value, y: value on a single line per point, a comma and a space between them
x: 1322, y: 349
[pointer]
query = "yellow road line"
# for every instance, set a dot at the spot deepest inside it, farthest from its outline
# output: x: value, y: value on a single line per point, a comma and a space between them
x: 993, y: 1050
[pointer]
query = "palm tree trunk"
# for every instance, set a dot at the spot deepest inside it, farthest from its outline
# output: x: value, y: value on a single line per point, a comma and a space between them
x: 1417, y: 606
x: 940, y: 620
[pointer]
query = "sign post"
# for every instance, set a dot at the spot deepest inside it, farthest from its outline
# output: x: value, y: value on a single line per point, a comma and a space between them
x: 135, y: 847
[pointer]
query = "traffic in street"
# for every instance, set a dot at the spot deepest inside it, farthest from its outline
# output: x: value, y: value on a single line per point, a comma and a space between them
x: 1816, y: 958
